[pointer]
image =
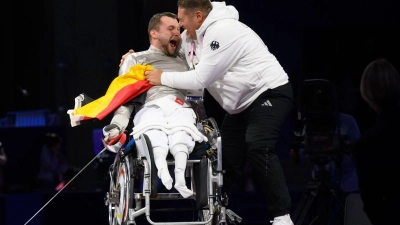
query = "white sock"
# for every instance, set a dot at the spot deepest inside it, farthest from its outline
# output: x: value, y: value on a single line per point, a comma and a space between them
x: 163, y: 172
x: 180, y: 167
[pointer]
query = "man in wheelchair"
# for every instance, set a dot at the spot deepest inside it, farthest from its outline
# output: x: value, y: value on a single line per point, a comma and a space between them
x: 166, y: 120
x: 165, y: 117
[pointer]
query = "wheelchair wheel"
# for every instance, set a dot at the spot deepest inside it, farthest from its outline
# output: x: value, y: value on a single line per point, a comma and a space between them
x: 119, y: 195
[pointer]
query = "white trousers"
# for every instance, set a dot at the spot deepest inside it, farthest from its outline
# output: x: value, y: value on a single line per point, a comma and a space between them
x: 160, y: 141
x: 179, y: 143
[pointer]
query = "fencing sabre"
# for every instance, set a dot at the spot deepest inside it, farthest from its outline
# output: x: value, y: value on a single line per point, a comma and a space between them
x: 65, y: 185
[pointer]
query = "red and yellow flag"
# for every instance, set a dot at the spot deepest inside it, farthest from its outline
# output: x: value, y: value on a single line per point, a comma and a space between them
x: 122, y: 89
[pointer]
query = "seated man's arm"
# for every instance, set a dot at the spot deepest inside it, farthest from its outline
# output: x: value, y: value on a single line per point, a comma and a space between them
x: 122, y: 114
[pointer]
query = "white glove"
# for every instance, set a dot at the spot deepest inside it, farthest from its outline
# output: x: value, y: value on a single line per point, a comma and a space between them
x: 110, y: 132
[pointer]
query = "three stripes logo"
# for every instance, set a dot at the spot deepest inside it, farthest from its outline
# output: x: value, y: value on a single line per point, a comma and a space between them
x: 266, y: 103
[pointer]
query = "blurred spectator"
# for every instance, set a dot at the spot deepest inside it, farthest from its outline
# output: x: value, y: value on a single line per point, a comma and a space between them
x: 53, y: 164
x: 342, y: 166
x: 70, y: 180
x: 374, y: 153
x: 3, y: 162
x: 348, y: 180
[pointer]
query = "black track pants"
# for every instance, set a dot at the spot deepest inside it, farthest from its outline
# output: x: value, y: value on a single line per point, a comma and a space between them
x: 251, y: 136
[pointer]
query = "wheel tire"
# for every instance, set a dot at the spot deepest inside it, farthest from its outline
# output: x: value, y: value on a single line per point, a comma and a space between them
x: 118, y: 213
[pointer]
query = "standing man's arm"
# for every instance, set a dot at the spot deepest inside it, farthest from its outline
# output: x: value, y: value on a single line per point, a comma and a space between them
x: 221, y: 51
x: 124, y: 56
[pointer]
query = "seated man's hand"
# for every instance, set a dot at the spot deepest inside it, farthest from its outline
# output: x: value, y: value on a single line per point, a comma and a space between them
x: 153, y: 76
x: 110, y: 132
x: 124, y: 56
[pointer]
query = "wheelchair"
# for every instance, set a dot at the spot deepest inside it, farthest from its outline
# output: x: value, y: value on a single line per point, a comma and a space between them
x: 133, y: 180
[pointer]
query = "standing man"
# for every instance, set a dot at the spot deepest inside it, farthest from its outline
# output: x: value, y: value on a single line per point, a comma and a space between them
x: 238, y: 70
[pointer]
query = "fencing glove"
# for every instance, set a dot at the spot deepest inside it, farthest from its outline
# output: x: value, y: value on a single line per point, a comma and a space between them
x: 110, y: 132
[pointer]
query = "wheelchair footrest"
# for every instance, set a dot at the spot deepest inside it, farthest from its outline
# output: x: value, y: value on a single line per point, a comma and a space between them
x: 172, y: 210
x: 233, y: 217
x: 166, y: 196
x: 189, y: 162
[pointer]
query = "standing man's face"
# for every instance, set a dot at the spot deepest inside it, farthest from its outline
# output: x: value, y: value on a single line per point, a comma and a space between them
x: 168, y: 36
x: 187, y: 20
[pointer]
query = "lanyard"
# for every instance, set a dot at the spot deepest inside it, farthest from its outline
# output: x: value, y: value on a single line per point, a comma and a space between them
x: 192, y: 51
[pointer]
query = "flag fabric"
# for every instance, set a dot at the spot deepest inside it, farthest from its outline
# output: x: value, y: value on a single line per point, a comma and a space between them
x: 122, y: 89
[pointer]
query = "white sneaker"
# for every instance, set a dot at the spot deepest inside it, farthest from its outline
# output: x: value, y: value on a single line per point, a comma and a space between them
x: 282, y: 220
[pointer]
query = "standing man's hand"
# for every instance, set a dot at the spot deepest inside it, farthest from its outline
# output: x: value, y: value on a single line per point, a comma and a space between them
x: 153, y: 77
x: 124, y: 56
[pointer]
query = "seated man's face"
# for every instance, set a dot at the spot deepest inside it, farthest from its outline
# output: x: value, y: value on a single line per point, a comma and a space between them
x: 168, y: 35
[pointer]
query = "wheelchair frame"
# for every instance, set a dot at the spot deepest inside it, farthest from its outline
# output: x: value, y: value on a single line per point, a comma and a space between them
x: 124, y: 204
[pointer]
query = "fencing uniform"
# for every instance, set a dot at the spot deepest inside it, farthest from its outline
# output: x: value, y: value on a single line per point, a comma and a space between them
x: 166, y: 106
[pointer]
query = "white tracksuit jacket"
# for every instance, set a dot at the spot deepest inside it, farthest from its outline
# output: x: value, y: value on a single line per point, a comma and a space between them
x: 234, y: 64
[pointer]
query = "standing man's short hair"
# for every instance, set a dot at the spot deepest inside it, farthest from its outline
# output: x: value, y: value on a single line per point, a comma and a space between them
x: 154, y: 23
x: 204, y: 6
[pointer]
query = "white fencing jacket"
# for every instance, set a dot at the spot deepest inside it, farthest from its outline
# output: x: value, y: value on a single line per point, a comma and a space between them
x: 234, y: 64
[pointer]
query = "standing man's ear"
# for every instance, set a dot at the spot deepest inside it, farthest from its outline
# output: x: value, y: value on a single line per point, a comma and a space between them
x: 199, y: 16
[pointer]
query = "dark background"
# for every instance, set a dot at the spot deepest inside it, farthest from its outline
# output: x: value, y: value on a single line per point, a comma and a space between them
x: 56, y: 50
